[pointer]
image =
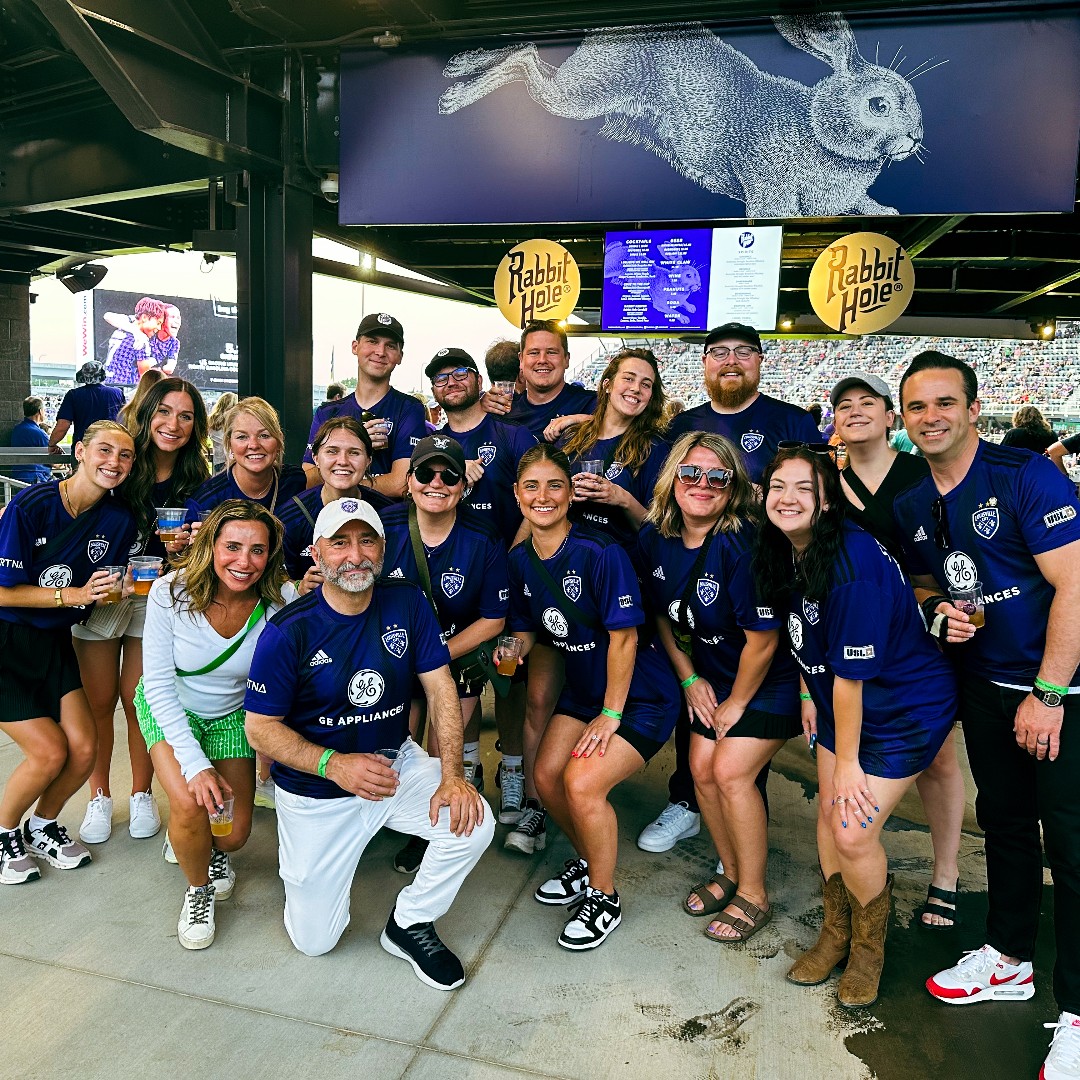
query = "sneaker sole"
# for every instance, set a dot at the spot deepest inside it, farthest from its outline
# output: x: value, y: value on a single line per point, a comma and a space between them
x: 95, y: 839
x: 527, y: 845
x: 1007, y: 992
x: 33, y: 874
x: 194, y: 946
x: 401, y: 954
x: 585, y: 946
x: 142, y: 834
x: 561, y: 901
x: 264, y: 802
x: 222, y: 892
x: 406, y: 869
x: 659, y: 846
x: 60, y: 865
x: 168, y: 854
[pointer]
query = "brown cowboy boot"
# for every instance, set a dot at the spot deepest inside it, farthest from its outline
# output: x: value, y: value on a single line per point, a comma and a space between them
x: 817, y: 963
x: 858, y: 986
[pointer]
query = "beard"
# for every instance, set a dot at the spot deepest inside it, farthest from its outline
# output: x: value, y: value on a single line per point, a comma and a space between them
x: 466, y: 401
x: 359, y: 584
x: 731, y: 395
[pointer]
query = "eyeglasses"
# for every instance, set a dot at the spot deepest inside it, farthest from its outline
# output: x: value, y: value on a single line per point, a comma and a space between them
x: 717, y: 479
x: 721, y: 352
x: 821, y: 449
x: 941, y: 524
x: 425, y: 474
x: 458, y: 375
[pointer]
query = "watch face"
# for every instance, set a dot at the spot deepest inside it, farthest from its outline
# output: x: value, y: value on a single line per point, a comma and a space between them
x: 1050, y: 698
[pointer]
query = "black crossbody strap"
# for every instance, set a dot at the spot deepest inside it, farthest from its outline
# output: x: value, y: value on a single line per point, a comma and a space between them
x: 570, y: 612
x: 691, y: 584
x: 420, y: 556
x: 85, y: 521
x: 860, y: 489
x: 303, y: 510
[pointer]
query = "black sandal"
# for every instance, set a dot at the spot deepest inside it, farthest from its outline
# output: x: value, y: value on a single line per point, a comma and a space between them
x: 940, y: 910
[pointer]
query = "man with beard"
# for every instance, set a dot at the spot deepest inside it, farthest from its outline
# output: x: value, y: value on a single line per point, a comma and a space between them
x: 328, y: 700
x: 756, y: 423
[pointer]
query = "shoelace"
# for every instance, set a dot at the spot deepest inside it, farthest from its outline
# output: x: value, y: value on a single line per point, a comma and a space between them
x: 1068, y: 1052
x: 513, y: 786
x: 671, y: 813
x: 57, y: 833
x: 199, y: 905
x: 12, y: 843
x: 424, y: 935
x: 575, y: 868
x: 532, y: 822
x: 589, y: 908
x: 219, y: 864
x: 975, y: 962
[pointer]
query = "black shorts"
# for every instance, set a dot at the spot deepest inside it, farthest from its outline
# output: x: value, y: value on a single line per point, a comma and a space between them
x: 37, y: 669
x: 754, y: 724
x: 648, y: 748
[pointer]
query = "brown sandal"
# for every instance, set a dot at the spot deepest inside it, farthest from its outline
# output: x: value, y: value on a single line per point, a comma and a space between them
x: 710, y: 904
x: 745, y: 930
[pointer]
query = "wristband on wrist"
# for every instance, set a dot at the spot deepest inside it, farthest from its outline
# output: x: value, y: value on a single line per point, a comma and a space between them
x: 605, y: 711
x: 1042, y: 684
x: 690, y: 680
x: 58, y: 597
x: 805, y: 697
x: 327, y: 755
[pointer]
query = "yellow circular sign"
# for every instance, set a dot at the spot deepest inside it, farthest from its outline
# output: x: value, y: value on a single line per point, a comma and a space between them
x: 538, y: 279
x: 861, y: 283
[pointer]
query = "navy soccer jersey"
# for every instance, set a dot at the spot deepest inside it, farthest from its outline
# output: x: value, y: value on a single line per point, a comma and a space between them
x: 85, y: 404
x: 467, y: 570
x: 102, y: 536
x: 569, y: 401
x: 596, y: 578
x: 221, y: 486
x: 756, y: 430
x: 869, y: 628
x: 344, y: 681
x: 498, y: 446
x: 299, y: 526
x: 404, y: 414
x: 610, y: 519
x: 1011, y: 506
x: 723, y: 605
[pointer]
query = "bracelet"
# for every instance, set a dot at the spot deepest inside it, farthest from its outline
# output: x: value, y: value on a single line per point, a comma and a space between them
x: 804, y: 697
x: 605, y: 711
x: 327, y: 755
x: 58, y: 597
x: 1042, y: 684
x: 689, y: 681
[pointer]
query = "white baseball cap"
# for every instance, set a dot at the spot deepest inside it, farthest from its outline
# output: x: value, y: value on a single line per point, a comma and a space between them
x: 334, y: 515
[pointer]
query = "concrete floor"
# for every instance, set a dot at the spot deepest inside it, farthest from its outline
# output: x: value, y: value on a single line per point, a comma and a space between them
x: 95, y: 985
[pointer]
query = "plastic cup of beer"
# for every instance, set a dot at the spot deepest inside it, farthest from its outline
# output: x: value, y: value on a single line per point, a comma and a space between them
x: 509, y: 651
x: 970, y: 602
x: 116, y: 589
x: 170, y: 522
x: 144, y: 572
x: 591, y: 467
x: 501, y: 386
x: 221, y: 819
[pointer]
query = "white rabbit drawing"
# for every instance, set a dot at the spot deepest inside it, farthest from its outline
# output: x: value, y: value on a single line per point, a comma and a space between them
x: 781, y: 148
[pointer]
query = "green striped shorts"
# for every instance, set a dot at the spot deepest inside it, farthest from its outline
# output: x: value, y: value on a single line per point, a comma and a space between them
x: 220, y: 739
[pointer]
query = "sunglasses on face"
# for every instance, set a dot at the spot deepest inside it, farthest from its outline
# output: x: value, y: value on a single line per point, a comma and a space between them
x: 425, y: 474
x: 721, y: 352
x: 458, y: 375
x: 717, y: 479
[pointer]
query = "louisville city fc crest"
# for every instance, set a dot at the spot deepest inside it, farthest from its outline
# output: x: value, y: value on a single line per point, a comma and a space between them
x: 707, y: 590
x: 986, y: 519
x: 486, y: 454
x: 452, y: 583
x: 396, y: 642
x: 97, y: 549
x: 571, y: 585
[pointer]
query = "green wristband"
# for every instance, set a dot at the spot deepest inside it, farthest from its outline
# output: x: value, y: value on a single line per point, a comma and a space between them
x: 1042, y: 684
x: 327, y: 755
x: 689, y: 681
x: 605, y: 711
x: 805, y: 697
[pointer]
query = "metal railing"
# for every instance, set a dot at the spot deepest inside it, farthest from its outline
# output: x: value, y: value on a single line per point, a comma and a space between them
x: 25, y: 455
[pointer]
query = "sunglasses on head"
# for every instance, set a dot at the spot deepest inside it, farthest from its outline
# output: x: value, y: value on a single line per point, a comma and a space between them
x: 717, y: 479
x: 821, y: 449
x: 458, y: 375
x: 425, y: 474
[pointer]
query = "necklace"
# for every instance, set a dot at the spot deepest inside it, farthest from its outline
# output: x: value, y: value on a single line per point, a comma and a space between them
x: 64, y: 500
x: 559, y: 548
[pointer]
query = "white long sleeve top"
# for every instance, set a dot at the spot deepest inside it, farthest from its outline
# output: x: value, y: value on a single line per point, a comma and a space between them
x: 174, y: 637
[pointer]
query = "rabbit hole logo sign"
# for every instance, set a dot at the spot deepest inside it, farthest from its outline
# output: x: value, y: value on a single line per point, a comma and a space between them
x: 537, y: 279
x: 861, y: 284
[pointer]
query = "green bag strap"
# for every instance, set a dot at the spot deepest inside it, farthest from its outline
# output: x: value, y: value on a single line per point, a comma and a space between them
x: 214, y: 664
x: 419, y: 556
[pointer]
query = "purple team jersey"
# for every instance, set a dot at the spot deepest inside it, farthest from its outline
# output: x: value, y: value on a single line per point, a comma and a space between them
x: 221, y: 486
x: 569, y: 401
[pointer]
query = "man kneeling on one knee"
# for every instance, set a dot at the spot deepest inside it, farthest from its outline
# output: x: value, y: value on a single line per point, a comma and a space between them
x: 328, y: 701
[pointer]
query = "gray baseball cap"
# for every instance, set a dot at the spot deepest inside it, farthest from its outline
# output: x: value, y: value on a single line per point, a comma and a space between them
x: 878, y: 387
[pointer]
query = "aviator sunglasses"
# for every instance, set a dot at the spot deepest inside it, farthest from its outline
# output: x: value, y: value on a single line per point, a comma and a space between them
x: 820, y: 449
x: 425, y: 474
x: 717, y: 479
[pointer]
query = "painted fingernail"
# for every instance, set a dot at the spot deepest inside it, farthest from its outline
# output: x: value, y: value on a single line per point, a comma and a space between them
x: 844, y: 823
x: 877, y: 809
x: 870, y: 819
x: 863, y: 824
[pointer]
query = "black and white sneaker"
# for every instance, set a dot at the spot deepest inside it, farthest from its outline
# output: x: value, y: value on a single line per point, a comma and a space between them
x: 16, y: 866
x: 409, y: 858
x: 222, y: 875
x: 598, y: 915
x: 55, y: 846
x: 569, y: 886
x: 529, y: 835
x: 196, y: 928
x: 419, y: 944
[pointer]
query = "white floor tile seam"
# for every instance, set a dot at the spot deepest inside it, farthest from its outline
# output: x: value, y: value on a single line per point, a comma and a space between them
x: 419, y: 1048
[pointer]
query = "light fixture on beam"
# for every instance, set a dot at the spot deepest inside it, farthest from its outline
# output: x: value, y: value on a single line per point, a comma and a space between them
x: 82, y: 278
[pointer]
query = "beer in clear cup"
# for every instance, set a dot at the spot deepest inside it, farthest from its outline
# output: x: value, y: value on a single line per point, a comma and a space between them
x: 144, y: 572
x: 170, y: 522
x: 970, y: 602
x: 116, y: 588
x: 509, y: 651
x: 221, y: 819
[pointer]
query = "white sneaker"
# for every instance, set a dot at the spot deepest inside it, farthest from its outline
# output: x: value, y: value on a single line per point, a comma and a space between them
x: 1063, y: 1061
x: 981, y: 975
x: 676, y: 822
x: 167, y: 852
x: 96, y: 825
x: 222, y: 875
x: 196, y: 928
x: 145, y: 821
x: 266, y: 793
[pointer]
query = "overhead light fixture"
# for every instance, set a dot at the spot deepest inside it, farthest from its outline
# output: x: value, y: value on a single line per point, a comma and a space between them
x: 1046, y: 329
x: 387, y: 40
x: 82, y: 278
x: 786, y: 322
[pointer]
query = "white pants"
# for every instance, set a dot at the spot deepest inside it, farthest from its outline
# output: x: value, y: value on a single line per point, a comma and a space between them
x: 320, y: 842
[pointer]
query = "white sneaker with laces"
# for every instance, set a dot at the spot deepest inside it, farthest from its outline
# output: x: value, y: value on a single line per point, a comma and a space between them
x: 195, y: 928
x: 167, y: 852
x: 1063, y: 1061
x: 222, y: 875
x: 144, y: 819
x: 266, y: 794
x: 981, y: 975
x: 676, y: 822
x: 96, y: 825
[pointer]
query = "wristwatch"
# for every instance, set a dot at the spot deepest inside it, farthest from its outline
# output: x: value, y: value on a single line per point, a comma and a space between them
x: 1050, y: 698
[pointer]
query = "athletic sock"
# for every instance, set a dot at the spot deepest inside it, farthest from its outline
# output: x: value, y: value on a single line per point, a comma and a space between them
x: 472, y: 752
x: 512, y: 761
x: 39, y: 822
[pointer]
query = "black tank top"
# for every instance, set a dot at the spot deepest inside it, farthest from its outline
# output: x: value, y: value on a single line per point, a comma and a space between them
x: 877, y: 516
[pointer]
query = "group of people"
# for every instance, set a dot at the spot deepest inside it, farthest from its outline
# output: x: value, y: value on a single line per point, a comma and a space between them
x: 717, y: 580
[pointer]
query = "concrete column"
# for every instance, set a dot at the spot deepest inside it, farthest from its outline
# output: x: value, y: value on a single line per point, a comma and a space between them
x: 14, y: 354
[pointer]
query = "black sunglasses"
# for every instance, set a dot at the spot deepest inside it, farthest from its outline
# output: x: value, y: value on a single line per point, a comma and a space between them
x: 425, y: 474
x: 458, y: 375
x: 717, y: 479
x: 822, y: 449
x: 941, y: 524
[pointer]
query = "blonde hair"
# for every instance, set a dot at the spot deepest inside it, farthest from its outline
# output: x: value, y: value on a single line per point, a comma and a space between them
x: 742, y: 504
x: 100, y: 427
x: 215, y: 421
x: 267, y: 417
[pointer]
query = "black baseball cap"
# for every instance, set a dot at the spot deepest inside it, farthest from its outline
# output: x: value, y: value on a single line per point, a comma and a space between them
x: 734, y: 331
x: 450, y: 358
x: 379, y: 324
x: 440, y: 447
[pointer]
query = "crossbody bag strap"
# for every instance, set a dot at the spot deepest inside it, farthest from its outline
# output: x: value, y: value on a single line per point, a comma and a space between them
x: 214, y: 664
x: 860, y: 489
x: 419, y: 555
x: 303, y: 510
x: 691, y: 585
x: 571, y: 612
x: 85, y: 521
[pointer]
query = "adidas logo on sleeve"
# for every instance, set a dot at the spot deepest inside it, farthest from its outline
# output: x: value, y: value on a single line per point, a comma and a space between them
x: 320, y: 658
x: 920, y: 535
